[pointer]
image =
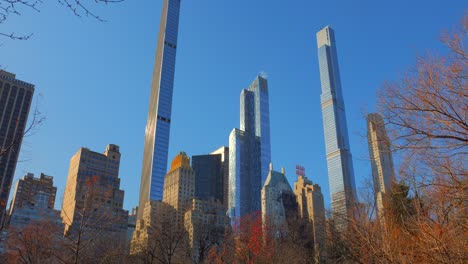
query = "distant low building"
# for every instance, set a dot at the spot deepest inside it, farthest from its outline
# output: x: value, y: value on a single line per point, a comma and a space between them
x: 205, y: 223
x: 28, y: 188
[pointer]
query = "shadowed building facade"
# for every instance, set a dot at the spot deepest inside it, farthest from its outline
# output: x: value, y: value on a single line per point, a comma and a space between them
x: 277, y: 196
x: 209, y: 180
x: 15, y: 102
x: 27, y: 188
x: 339, y: 159
x: 160, y: 106
x: 381, y: 159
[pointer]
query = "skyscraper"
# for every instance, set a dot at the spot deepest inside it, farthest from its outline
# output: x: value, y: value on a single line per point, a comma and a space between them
x: 93, y: 191
x: 381, y: 159
x: 339, y: 159
x: 245, y: 154
x: 209, y: 180
x: 15, y: 102
x: 261, y: 110
x: 160, y: 106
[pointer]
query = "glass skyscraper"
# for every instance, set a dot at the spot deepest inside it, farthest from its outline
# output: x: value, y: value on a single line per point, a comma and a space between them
x: 249, y: 150
x: 339, y: 159
x: 159, y: 114
x: 209, y: 178
x: 261, y: 105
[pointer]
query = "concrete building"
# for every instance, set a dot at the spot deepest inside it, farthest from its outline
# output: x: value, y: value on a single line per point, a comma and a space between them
x: 93, y: 186
x: 339, y: 159
x: 15, y: 102
x: 35, y: 211
x: 249, y: 151
x: 311, y: 206
x: 277, y: 196
x: 205, y: 223
x: 209, y: 178
x: 179, y: 186
x: 383, y: 172
x: 29, y: 189
x: 160, y: 106
x: 154, y: 213
x: 224, y: 152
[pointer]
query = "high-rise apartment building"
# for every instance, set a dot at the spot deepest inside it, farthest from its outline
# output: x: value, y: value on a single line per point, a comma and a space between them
x: 209, y: 178
x: 15, y: 102
x: 249, y: 151
x: 381, y: 159
x: 339, y: 159
x: 179, y: 186
x: 33, y: 190
x: 261, y: 110
x: 93, y: 187
x: 278, y: 202
x: 160, y: 106
x: 224, y: 152
x: 311, y: 207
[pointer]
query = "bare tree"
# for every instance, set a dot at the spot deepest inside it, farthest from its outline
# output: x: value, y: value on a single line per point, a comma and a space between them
x: 79, y: 8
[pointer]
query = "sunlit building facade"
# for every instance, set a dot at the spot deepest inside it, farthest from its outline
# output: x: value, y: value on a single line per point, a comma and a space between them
x: 381, y: 159
x: 93, y: 192
x: 160, y: 107
x: 339, y: 159
x: 179, y: 186
x: 15, y: 103
x: 311, y: 207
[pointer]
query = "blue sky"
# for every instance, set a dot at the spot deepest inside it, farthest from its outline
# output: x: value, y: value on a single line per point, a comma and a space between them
x: 94, y: 78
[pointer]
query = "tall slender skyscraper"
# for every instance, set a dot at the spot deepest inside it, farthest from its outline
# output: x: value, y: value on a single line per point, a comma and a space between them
x: 159, y: 114
x: 249, y: 150
x: 259, y: 88
x: 15, y: 102
x: 381, y: 159
x: 339, y: 159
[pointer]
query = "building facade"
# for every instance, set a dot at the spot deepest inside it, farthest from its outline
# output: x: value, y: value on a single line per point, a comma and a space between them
x: 339, y: 159
x: 311, y: 207
x: 179, y: 186
x: 93, y: 187
x: 244, y: 174
x: 383, y: 172
x: 209, y: 178
x: 249, y: 151
x: 160, y: 106
x: 15, y: 103
x: 205, y: 223
x: 224, y: 152
x: 32, y: 190
x: 276, y: 202
x: 261, y: 110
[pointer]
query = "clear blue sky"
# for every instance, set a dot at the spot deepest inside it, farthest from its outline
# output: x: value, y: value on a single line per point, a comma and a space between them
x: 95, y: 77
